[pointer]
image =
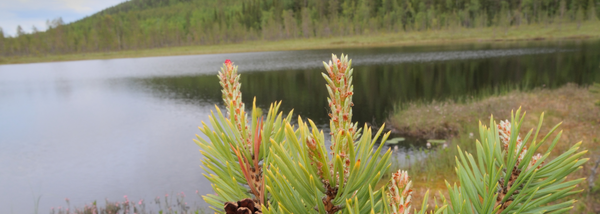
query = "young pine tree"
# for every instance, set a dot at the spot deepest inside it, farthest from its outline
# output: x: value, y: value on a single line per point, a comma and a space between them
x: 271, y: 165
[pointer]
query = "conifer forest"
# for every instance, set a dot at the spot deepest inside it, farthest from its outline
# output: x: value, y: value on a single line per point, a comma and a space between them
x: 144, y: 24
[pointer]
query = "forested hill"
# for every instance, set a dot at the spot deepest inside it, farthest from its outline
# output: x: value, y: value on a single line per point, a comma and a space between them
x: 142, y: 24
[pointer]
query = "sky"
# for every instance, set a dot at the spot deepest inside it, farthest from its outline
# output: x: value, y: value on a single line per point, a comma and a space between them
x: 29, y: 13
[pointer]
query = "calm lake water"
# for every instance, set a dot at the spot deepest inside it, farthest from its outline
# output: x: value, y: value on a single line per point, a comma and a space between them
x: 102, y: 129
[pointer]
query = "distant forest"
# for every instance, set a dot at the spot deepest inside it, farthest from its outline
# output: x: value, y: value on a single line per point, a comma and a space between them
x: 143, y: 24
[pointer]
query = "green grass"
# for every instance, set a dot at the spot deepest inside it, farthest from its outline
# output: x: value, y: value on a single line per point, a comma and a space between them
x: 459, y: 35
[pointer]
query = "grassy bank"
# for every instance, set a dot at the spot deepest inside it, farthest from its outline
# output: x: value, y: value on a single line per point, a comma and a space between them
x: 570, y: 104
x: 459, y: 35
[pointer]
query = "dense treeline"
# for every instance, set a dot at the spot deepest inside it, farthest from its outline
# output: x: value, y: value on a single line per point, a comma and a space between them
x: 141, y: 24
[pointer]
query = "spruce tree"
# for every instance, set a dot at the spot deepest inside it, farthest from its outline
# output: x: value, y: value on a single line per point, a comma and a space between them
x: 579, y: 16
x: 20, y: 31
x: 592, y: 11
x: 2, y: 42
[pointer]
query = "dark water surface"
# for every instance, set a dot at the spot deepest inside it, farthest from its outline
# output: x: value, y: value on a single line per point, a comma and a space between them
x: 90, y: 130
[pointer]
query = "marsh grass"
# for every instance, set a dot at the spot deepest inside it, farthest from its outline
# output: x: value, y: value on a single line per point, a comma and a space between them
x: 587, y: 30
x: 571, y: 104
x: 160, y: 205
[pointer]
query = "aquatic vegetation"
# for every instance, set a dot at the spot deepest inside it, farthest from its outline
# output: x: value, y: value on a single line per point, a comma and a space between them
x: 271, y: 165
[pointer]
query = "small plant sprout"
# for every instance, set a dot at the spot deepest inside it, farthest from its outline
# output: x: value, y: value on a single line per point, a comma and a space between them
x: 506, y: 177
x: 400, y: 193
x: 237, y: 147
x: 341, y: 180
x: 269, y: 165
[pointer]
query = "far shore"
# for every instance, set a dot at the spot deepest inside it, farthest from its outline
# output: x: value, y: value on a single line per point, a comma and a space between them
x: 551, y: 32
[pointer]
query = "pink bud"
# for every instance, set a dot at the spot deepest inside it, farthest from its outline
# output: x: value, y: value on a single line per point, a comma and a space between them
x: 229, y: 65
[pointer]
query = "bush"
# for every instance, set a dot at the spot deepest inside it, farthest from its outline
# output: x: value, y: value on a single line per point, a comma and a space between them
x: 269, y: 165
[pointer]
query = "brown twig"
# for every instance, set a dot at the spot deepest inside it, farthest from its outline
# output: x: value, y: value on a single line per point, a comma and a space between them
x: 502, y: 193
x: 327, y: 200
x: 253, y: 173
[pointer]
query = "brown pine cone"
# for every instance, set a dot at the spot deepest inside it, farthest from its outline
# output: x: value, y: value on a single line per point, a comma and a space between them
x: 245, y: 206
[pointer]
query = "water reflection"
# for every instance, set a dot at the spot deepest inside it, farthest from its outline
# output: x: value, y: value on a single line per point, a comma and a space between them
x: 381, y: 87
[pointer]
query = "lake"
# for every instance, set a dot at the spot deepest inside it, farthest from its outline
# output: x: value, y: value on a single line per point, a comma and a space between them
x: 102, y: 129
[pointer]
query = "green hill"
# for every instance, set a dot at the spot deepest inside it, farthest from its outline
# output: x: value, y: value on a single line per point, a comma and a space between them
x: 144, y: 24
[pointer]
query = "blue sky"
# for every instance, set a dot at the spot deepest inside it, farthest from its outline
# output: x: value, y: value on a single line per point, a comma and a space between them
x: 29, y: 13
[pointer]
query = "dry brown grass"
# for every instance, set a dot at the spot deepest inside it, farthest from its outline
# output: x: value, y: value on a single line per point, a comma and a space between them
x: 570, y: 104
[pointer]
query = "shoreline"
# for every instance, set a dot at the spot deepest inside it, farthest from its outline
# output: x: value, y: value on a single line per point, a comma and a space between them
x: 490, y: 35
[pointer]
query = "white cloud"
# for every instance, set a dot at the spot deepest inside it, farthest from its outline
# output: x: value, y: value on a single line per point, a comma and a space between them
x: 28, y: 13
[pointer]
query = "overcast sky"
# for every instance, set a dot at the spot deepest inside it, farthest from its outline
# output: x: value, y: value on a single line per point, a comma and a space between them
x: 29, y: 13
